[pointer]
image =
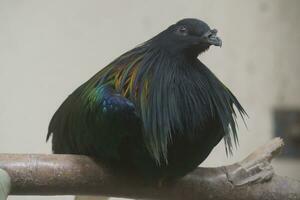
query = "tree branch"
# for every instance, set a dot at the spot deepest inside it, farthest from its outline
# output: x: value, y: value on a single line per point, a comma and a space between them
x: 250, y: 179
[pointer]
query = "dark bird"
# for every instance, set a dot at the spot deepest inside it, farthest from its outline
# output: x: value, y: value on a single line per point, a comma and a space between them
x: 156, y: 110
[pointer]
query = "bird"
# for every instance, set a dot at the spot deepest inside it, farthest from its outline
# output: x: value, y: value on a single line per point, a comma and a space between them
x: 156, y: 110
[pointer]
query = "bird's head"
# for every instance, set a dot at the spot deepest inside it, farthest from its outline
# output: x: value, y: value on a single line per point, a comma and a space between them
x: 189, y: 37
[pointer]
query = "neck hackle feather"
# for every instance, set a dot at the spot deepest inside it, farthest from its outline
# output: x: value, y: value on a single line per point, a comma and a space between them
x: 170, y: 94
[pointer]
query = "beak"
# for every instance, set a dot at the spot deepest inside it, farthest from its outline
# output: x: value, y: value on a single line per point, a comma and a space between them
x: 211, y: 38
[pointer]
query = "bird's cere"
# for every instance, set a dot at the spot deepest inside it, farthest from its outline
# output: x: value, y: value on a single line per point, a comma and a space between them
x: 212, y: 38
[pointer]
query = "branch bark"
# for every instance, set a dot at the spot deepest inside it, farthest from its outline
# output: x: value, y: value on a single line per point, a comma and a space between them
x: 251, y: 179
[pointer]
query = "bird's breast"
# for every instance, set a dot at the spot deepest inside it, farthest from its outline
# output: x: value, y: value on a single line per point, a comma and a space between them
x: 187, y: 102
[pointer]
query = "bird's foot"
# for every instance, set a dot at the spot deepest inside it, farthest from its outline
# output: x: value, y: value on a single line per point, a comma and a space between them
x: 161, y: 182
x: 256, y: 168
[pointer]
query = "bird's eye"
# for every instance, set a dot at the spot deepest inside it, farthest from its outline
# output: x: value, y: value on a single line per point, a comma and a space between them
x: 182, y: 30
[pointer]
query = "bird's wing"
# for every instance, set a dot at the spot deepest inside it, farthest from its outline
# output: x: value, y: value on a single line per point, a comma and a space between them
x: 98, y: 116
x: 92, y: 121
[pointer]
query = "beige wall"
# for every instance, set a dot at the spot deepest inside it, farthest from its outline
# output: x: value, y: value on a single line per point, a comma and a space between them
x: 48, y: 48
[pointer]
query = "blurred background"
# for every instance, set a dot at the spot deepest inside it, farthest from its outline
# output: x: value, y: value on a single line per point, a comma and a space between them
x: 48, y: 48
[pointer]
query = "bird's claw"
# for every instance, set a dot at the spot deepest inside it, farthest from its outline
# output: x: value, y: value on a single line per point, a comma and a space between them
x: 161, y: 182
